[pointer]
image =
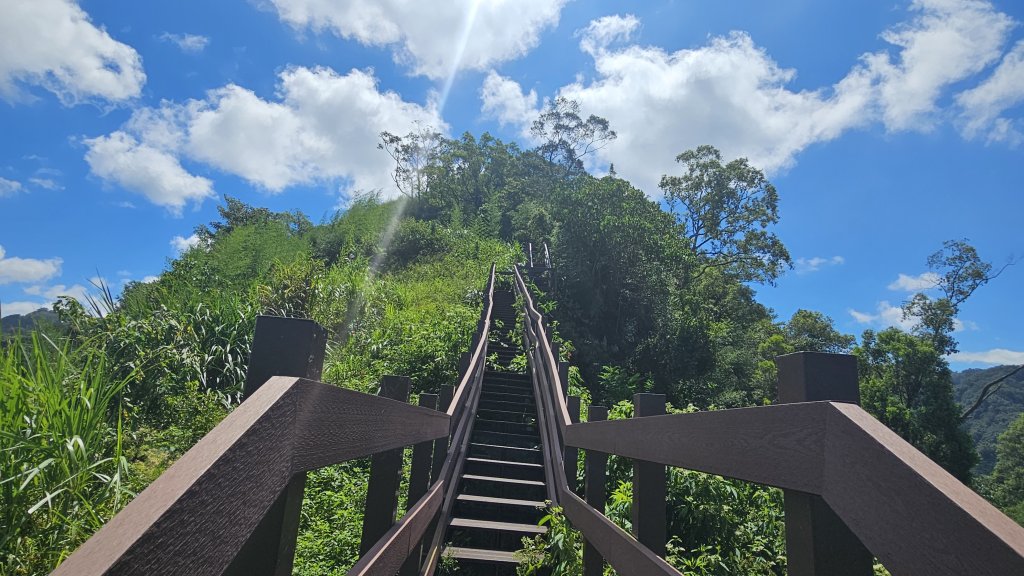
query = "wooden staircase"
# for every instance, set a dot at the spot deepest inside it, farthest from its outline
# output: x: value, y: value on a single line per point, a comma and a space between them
x: 502, y: 490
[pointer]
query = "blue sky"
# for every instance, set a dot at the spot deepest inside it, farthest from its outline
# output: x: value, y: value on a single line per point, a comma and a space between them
x: 887, y: 127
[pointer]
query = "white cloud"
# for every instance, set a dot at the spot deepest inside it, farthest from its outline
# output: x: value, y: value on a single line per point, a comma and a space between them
x: 728, y: 93
x: 52, y: 43
x: 148, y: 279
x: 994, y: 356
x: 807, y: 265
x: 433, y: 38
x: 322, y: 127
x: 139, y: 167
x: 946, y: 42
x: 76, y: 291
x: 21, y: 270
x: 46, y: 183
x: 22, y: 307
x: 925, y: 281
x: 886, y: 315
x: 983, y: 106
x: 601, y: 33
x: 182, y: 244
x: 504, y: 100
x: 190, y: 43
x: 732, y: 94
x: 9, y: 187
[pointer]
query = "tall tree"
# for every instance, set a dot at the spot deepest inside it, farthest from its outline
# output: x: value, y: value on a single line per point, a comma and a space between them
x: 235, y: 214
x: 907, y: 385
x: 566, y: 138
x: 958, y: 272
x: 412, y: 154
x: 811, y: 331
x: 724, y: 212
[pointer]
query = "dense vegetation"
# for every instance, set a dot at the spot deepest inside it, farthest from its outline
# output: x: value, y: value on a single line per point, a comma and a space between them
x: 997, y: 412
x: 648, y: 297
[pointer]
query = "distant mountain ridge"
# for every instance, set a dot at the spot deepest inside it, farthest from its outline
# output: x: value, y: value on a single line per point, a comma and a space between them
x: 992, y: 418
x: 27, y: 322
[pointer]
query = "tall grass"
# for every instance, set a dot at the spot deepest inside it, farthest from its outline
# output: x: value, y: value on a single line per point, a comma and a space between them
x: 62, y: 470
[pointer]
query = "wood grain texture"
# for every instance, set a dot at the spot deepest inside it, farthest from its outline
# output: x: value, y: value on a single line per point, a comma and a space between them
x: 387, y: 556
x: 780, y: 446
x: 335, y: 424
x: 194, y: 520
x: 817, y: 540
x: 912, y: 514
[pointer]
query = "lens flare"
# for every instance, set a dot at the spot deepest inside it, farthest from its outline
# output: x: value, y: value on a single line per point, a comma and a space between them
x: 460, y: 50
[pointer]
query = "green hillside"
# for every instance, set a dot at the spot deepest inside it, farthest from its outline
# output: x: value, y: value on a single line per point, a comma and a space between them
x: 995, y: 414
x: 25, y: 323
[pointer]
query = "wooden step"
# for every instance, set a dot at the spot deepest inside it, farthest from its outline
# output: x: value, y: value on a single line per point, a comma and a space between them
x: 500, y: 501
x: 490, y: 534
x: 498, y: 487
x: 502, y: 526
x: 498, y: 508
x: 523, y: 416
x: 506, y: 389
x: 511, y: 453
x: 506, y: 427
x: 479, y: 554
x: 506, y: 439
x: 504, y: 468
x: 486, y: 404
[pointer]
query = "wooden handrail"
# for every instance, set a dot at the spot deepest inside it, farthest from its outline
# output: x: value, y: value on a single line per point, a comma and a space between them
x: 620, y: 549
x: 908, y: 511
x: 782, y: 446
x: 200, y: 515
x: 480, y: 352
x: 387, y: 556
x: 463, y: 410
x: 193, y: 519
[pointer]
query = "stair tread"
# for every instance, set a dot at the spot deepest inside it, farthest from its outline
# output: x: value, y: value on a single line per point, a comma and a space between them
x: 501, y: 479
x: 504, y: 447
x: 480, y: 554
x: 535, y: 436
x: 504, y: 501
x: 503, y: 462
x: 494, y: 525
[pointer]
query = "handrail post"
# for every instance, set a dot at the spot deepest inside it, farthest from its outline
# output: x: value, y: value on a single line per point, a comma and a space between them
x: 818, y: 542
x: 280, y: 347
x: 419, y: 481
x: 444, y: 400
x: 563, y: 377
x: 385, y: 476
x: 650, y: 521
x: 571, y: 455
x: 595, y: 469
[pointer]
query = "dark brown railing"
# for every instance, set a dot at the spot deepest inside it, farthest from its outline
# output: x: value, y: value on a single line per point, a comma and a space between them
x: 231, y: 504
x: 854, y: 490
